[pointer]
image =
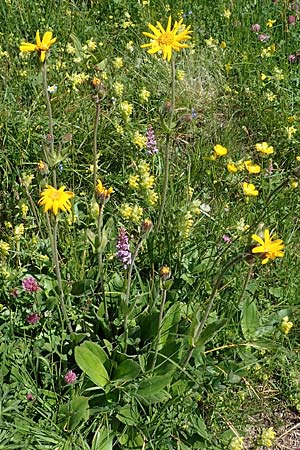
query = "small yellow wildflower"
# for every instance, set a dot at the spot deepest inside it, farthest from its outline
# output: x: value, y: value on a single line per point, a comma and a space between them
x: 126, y: 211
x: 152, y: 197
x: 102, y: 194
x: 268, y: 248
x: 187, y: 225
x: 4, y: 248
x: 263, y: 76
x: 55, y: 199
x: 250, y: 190
x: 294, y: 184
x: 144, y: 95
x: 219, y: 150
x: 223, y: 45
x: 236, y: 443
x: 292, y: 119
x: 231, y: 167
x: 134, y: 181
x: 27, y: 179
x: 167, y: 40
x: 78, y: 78
x: 291, y: 131
x: 268, y: 51
x: 264, y: 148
x: 126, y: 109
x: 227, y: 13
x: 270, y: 23
x: 119, y: 89
x: 24, y: 209
x: 70, y: 49
x: 91, y: 44
x: 119, y: 129
x: 297, y: 158
x: 41, y: 46
x: 270, y: 96
x: 252, y: 168
x: 104, y: 75
x: 8, y: 225
x: 286, y: 325
x: 129, y: 46
x: 180, y: 75
x: 136, y: 214
x: 278, y: 75
x: 118, y: 63
x: 165, y: 272
x: 19, y: 231
x: 139, y: 140
x: 267, y: 437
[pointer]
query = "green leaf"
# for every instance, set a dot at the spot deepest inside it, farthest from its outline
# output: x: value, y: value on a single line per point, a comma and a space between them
x: 90, y: 358
x: 127, y: 415
x: 126, y: 371
x: 210, y: 331
x: 198, y: 424
x: 170, y: 320
x: 76, y: 411
x: 102, y: 440
x: 250, y: 319
x: 151, y: 387
x: 82, y: 287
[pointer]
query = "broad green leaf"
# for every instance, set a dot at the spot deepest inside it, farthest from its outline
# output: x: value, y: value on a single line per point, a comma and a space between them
x: 126, y: 371
x: 210, y: 331
x: 89, y: 357
x: 171, y: 318
x: 151, y: 387
x: 75, y: 412
x: 250, y: 319
x: 198, y: 424
x: 102, y: 440
x: 127, y: 415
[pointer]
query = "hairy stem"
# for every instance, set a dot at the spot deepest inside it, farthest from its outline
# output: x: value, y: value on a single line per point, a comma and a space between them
x: 161, y: 313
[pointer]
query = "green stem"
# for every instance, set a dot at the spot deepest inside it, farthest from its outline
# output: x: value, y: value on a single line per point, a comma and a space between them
x: 161, y: 313
x: 95, y: 147
x: 167, y: 148
x: 33, y: 208
x: 127, y: 295
x: 50, y: 118
x: 100, y: 276
x: 200, y: 326
x: 53, y: 241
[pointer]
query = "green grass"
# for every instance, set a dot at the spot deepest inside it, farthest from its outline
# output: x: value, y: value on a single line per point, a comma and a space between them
x: 135, y: 388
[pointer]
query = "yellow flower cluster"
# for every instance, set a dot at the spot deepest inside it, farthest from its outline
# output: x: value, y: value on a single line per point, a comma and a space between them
x: 236, y: 443
x: 126, y: 109
x: 131, y: 213
x: 144, y: 182
x: 267, y: 437
x: 139, y: 140
x: 4, y: 248
x: 188, y: 219
x: 268, y: 51
x: 118, y: 89
x: 144, y: 95
x: 286, y: 325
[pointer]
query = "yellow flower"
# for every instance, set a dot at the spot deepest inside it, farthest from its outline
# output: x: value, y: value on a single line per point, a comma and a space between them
x: 264, y: 147
x: 166, y: 40
x: 269, y: 51
x: 180, y: 74
x: 102, y: 193
x: 263, y: 76
x: 139, y: 140
x: 291, y: 131
x: 41, y: 46
x: 119, y: 88
x: 24, y: 209
x: 134, y: 181
x: 267, y: 437
x: 4, y: 248
x: 270, y: 23
x: 126, y: 109
x: 236, y: 443
x: 54, y: 199
x: 231, y: 167
x: 227, y: 13
x: 19, y: 231
x: 269, y: 249
x: 144, y: 95
x: 228, y: 68
x: 223, y: 45
x: 250, y: 190
x: 118, y: 63
x: 126, y: 211
x: 220, y: 150
x: 252, y: 168
x: 210, y: 42
x: 286, y: 325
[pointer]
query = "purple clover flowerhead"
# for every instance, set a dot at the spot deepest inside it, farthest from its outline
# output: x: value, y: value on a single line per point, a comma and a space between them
x: 70, y: 377
x: 263, y: 37
x: 29, y: 397
x: 151, y: 141
x: 30, y: 284
x: 255, y: 28
x: 32, y: 318
x: 123, y: 249
x: 292, y: 59
x: 292, y: 20
x: 226, y: 238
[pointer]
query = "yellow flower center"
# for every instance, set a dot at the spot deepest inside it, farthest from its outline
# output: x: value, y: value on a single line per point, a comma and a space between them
x: 166, y: 39
x: 55, y: 195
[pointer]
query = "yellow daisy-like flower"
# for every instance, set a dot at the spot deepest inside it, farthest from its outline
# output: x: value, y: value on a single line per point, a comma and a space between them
x: 264, y: 147
x: 220, y: 150
x: 268, y: 248
x: 41, y: 46
x: 231, y: 167
x: 54, y: 199
x: 250, y: 190
x: 166, y: 40
x: 252, y: 168
x: 102, y: 193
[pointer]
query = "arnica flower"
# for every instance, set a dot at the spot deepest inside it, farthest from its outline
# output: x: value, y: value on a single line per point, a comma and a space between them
x: 219, y: 150
x: 286, y: 325
x: 252, y: 168
x: 166, y: 40
x: 250, y: 190
x: 54, y: 199
x: 70, y: 377
x: 102, y: 193
x: 41, y: 46
x: 165, y: 272
x: 268, y: 248
x: 30, y: 284
x: 264, y: 147
x: 123, y: 249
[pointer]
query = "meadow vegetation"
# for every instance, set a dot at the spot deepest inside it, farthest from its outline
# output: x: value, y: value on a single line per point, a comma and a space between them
x: 149, y: 224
